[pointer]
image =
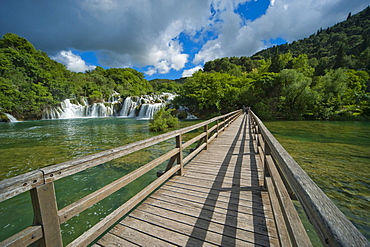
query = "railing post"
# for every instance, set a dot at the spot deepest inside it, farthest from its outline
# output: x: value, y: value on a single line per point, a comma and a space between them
x: 179, y: 156
x: 46, y: 214
x: 206, y: 137
x: 217, y: 122
x: 267, y: 151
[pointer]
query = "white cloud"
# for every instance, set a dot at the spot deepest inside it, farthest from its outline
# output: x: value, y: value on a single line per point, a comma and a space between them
x: 145, y: 33
x: 190, y: 72
x: 287, y: 19
x: 72, y: 61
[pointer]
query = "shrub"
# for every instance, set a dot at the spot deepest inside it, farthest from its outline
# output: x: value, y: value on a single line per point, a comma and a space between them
x: 162, y: 120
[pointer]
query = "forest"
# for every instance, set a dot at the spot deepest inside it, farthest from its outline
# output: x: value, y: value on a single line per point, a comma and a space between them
x: 324, y: 76
x: 30, y: 81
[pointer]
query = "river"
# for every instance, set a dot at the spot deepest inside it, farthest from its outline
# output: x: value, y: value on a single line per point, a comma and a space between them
x: 335, y: 154
x: 26, y: 146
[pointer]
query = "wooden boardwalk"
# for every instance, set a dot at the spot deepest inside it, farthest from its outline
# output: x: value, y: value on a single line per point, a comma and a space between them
x: 218, y: 202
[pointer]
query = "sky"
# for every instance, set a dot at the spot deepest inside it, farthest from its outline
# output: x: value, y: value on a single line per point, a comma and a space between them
x: 164, y: 38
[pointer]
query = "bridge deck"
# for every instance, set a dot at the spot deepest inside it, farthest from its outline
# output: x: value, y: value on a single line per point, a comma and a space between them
x: 218, y: 202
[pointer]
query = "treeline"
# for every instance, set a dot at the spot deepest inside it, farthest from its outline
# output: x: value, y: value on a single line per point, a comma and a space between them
x: 346, y: 44
x: 321, y: 77
x: 30, y: 81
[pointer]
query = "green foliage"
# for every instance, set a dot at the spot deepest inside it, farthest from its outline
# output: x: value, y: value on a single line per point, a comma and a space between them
x: 345, y: 45
x: 30, y: 81
x: 209, y: 93
x: 95, y: 96
x: 162, y: 120
x: 165, y: 85
x: 296, y: 95
x: 324, y: 77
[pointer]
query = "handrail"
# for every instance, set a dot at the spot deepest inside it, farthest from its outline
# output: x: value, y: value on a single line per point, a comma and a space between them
x: 331, y: 225
x: 40, y: 183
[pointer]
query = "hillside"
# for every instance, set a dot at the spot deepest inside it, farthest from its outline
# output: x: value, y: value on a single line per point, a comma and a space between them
x: 325, y: 76
x: 345, y: 44
x: 31, y: 82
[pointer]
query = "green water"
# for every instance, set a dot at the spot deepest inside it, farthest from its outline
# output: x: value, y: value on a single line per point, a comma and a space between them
x: 26, y: 146
x: 336, y: 155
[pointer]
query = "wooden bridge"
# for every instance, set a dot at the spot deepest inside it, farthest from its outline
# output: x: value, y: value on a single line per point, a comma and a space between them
x: 235, y: 188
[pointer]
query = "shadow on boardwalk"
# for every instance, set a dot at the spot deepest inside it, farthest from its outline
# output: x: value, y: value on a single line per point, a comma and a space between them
x: 218, y: 202
x: 229, y: 236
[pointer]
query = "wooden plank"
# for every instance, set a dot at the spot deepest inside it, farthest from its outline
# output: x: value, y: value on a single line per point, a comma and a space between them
x: 139, y: 237
x: 14, y: 186
x: 218, y: 214
x: 179, y: 233
x: 229, y: 173
x: 111, y: 240
x: 297, y: 232
x: 332, y: 226
x: 215, y: 206
x: 98, y: 229
x: 222, y: 202
x: 86, y: 202
x: 46, y: 214
x: 223, y: 196
x: 203, y: 224
x: 278, y: 215
x: 220, y: 191
x: 24, y: 238
x: 225, y: 182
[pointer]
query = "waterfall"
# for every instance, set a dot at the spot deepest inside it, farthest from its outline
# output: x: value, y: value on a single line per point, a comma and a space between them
x: 11, y: 118
x: 116, y: 106
x: 147, y: 110
x: 128, y: 108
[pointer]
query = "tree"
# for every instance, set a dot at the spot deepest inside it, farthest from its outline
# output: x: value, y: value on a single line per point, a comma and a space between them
x: 296, y: 94
x: 162, y: 120
x: 330, y: 90
x: 209, y: 94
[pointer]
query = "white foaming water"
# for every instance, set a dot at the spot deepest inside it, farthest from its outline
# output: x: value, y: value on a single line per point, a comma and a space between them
x: 11, y: 118
x: 142, y: 107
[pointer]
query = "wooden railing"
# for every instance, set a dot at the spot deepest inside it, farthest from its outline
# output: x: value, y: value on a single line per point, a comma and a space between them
x: 285, y: 179
x: 47, y: 218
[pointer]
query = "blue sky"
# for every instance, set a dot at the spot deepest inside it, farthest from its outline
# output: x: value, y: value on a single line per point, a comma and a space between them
x: 164, y: 38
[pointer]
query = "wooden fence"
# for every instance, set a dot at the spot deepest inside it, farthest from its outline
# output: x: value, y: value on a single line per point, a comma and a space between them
x: 47, y: 218
x: 285, y: 179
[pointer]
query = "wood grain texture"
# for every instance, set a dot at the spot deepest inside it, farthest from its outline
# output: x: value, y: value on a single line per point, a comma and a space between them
x: 218, y: 202
x: 24, y: 238
x: 332, y: 226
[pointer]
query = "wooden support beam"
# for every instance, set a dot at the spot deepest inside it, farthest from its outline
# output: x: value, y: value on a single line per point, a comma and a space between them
x: 24, y: 238
x: 179, y: 155
x: 206, y: 136
x: 46, y: 214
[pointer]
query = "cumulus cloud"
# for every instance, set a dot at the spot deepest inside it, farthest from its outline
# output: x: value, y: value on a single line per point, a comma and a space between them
x: 287, y: 19
x: 146, y: 33
x: 190, y: 72
x: 125, y: 33
x: 72, y: 61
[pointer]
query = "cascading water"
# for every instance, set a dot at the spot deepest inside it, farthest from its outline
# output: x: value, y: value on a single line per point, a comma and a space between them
x: 142, y: 107
x: 129, y: 106
x: 147, y: 110
x: 11, y: 118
